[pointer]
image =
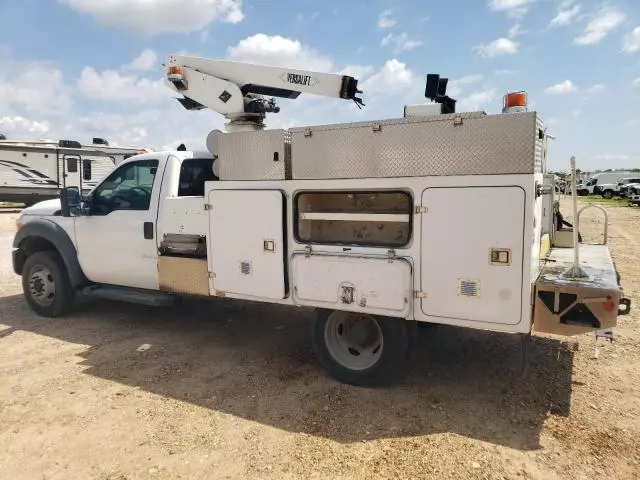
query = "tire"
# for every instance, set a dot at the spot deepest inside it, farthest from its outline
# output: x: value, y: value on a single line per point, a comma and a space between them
x: 608, y: 194
x: 46, y: 284
x: 374, y: 366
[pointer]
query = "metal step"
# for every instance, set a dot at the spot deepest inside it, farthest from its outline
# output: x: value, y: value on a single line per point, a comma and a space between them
x: 131, y: 295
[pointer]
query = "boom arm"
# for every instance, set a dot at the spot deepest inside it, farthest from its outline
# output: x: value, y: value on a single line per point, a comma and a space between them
x: 236, y: 90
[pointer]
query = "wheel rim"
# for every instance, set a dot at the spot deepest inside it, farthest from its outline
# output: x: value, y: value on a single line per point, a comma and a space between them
x: 42, y: 286
x: 354, y: 340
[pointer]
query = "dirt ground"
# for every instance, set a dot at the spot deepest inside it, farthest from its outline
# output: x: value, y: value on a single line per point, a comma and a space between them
x: 232, y: 390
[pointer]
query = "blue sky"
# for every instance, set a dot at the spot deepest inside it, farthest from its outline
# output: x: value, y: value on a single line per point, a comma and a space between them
x: 83, y: 68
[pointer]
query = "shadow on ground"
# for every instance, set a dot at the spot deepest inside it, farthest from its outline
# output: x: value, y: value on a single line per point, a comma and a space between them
x: 256, y: 363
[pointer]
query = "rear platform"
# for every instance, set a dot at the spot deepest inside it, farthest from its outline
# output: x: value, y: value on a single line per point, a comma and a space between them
x: 569, y: 306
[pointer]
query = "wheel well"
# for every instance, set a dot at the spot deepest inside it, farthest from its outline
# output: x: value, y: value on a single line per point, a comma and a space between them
x: 32, y: 245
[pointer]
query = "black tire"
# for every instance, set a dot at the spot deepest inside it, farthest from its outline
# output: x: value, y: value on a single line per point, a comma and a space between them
x: 392, y: 359
x: 608, y: 194
x: 47, y: 264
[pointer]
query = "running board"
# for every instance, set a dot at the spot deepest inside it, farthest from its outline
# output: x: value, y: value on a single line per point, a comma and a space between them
x: 131, y: 295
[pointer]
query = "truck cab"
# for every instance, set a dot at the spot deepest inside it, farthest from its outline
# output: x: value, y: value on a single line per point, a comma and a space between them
x: 124, y: 207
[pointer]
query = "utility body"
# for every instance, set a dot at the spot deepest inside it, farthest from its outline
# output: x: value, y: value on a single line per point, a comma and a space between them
x: 434, y: 217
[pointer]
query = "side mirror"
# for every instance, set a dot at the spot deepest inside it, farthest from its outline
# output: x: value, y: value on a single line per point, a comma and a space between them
x: 69, y: 200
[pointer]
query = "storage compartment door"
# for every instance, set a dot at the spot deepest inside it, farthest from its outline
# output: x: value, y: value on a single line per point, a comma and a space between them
x: 472, y: 253
x: 246, y: 242
x: 362, y: 284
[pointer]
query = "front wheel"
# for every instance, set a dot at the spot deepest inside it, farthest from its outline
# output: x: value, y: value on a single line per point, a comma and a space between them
x: 608, y: 194
x: 46, y: 284
x: 360, y: 349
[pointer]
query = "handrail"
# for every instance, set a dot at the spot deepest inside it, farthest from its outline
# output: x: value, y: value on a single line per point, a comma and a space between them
x: 606, y: 219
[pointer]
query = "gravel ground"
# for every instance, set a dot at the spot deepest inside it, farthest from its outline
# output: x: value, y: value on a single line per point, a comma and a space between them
x: 232, y: 390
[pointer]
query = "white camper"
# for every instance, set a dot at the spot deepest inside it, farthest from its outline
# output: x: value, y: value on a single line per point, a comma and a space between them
x: 31, y: 171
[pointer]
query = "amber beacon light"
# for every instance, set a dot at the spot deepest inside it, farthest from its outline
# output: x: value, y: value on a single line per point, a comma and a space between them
x: 515, y: 102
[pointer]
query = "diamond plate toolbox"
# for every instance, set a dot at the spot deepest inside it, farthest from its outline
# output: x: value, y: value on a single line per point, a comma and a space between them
x: 249, y: 155
x: 453, y: 144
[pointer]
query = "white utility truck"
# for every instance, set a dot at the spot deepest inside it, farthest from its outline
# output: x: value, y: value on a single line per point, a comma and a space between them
x: 436, y: 217
x: 620, y: 188
x: 598, y: 182
x: 31, y: 171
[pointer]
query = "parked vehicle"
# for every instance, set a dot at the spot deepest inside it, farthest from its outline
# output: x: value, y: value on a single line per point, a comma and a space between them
x: 376, y: 225
x: 625, y: 184
x: 610, y: 190
x: 633, y: 195
x: 594, y: 184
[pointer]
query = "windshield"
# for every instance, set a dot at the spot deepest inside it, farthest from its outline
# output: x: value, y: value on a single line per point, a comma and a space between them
x: 592, y: 181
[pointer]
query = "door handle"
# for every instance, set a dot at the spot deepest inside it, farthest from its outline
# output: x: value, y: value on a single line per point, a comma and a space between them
x: 147, y: 229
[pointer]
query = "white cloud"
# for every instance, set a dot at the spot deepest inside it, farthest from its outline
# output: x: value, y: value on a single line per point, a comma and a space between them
x: 393, y: 76
x: 504, y: 72
x: 38, y: 87
x: 143, y: 62
x: 477, y: 100
x: 563, y: 87
x: 513, y: 8
x: 599, y: 87
x: 514, y: 31
x: 113, y: 86
x: 501, y: 5
x: 632, y: 41
x: 636, y: 82
x: 386, y: 20
x: 598, y: 28
x: 565, y: 16
x: 456, y: 86
x: 359, y: 72
x: 500, y: 46
x: 632, y: 123
x: 18, y: 125
x: 401, y: 42
x: 279, y: 51
x: 153, y: 17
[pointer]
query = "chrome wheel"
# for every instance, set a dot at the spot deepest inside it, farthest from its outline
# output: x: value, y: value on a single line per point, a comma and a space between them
x: 42, y: 286
x: 353, y: 339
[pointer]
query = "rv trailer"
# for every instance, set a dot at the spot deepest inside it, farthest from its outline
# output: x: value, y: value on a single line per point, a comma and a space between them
x: 32, y: 171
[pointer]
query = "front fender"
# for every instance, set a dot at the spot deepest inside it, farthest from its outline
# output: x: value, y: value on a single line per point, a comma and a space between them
x: 42, y: 229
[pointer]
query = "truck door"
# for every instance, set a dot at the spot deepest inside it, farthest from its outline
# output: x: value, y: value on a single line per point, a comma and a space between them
x: 246, y: 242
x: 116, y: 243
x: 472, y: 254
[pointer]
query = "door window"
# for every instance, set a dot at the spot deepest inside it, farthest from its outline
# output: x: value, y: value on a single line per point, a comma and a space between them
x: 72, y: 165
x: 127, y: 188
x: 193, y: 173
x: 363, y: 218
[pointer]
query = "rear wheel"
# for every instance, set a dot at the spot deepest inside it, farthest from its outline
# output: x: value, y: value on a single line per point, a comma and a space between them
x: 607, y: 194
x: 46, y: 284
x: 360, y: 349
